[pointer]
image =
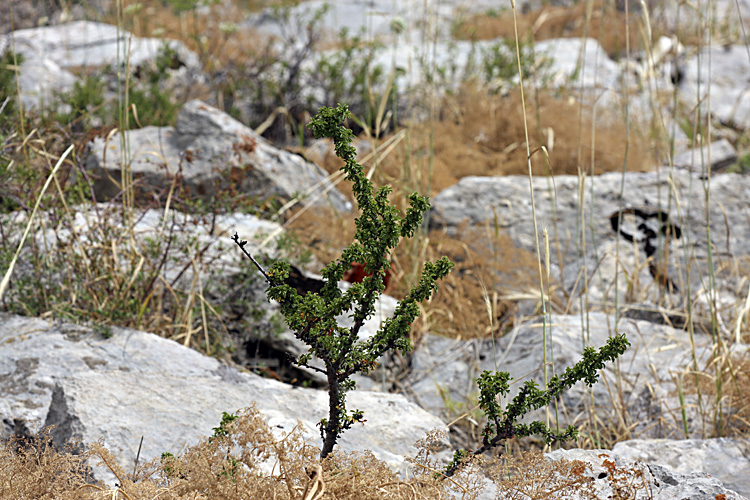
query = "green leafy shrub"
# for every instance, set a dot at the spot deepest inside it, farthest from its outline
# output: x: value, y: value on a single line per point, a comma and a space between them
x: 503, y: 424
x: 85, y: 99
x: 281, y: 83
x: 313, y: 317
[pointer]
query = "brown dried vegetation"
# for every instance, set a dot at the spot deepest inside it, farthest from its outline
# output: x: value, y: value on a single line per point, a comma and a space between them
x: 483, y: 134
x: 606, y: 23
x: 480, y: 133
x: 724, y: 387
x: 218, y: 44
x: 252, y: 461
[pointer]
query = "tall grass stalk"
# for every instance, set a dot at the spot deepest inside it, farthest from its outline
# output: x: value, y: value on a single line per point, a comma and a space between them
x: 624, y: 167
x: 17, y: 71
x: 683, y: 217
x: 581, y: 226
x: 50, y: 177
x: 744, y: 312
x: 545, y: 320
x: 718, y: 346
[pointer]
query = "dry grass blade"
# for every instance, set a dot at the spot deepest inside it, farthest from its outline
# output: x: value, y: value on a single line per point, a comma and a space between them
x: 741, y: 317
x: 9, y: 272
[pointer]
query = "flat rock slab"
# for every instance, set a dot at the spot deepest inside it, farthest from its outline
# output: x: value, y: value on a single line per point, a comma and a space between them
x: 137, y: 384
x: 506, y: 201
x: 617, y: 476
x: 87, y: 43
x: 579, y: 215
x: 209, y: 151
x: 727, y: 459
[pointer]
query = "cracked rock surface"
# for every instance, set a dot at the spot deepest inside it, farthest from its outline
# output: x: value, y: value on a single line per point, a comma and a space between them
x: 137, y: 384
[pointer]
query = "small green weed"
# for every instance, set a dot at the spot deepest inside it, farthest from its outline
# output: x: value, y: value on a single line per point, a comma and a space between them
x: 8, y: 88
x: 347, y: 75
x: 742, y: 165
x: 222, y: 429
x: 89, y: 104
x: 499, y: 61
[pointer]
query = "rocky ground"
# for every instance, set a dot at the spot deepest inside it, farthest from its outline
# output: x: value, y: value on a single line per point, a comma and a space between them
x: 651, y: 242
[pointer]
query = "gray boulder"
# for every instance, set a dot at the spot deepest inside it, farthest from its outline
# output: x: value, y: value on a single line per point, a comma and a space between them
x: 137, y: 384
x: 50, y: 51
x: 92, y: 44
x: 647, y: 198
x: 506, y: 200
x: 564, y: 60
x: 726, y: 459
x: 577, y: 61
x: 209, y: 150
x: 41, y: 80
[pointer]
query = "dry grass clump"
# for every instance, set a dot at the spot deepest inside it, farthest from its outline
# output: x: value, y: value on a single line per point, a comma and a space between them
x: 85, y: 262
x: 478, y: 132
x: 483, y: 134
x: 32, y: 467
x: 549, y: 479
x: 485, y: 272
x: 247, y: 460
x: 724, y: 390
x: 213, y: 33
x: 606, y: 23
x: 737, y: 377
x: 100, y: 271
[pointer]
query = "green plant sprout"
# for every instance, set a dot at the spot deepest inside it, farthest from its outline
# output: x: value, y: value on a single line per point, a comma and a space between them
x: 313, y: 317
x: 222, y: 430
x: 503, y: 424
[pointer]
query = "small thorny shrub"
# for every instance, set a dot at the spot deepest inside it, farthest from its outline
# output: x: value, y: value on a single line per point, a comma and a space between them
x: 313, y: 317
